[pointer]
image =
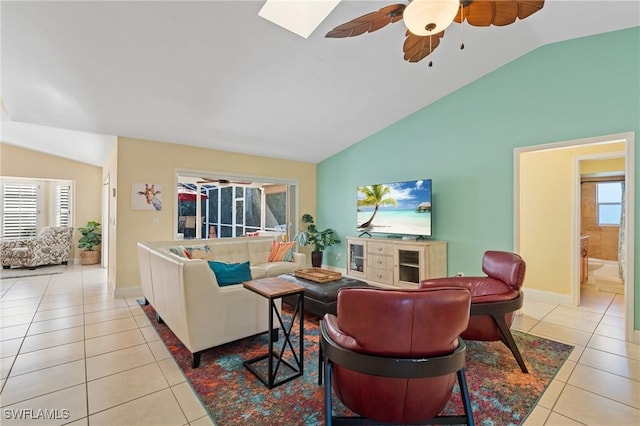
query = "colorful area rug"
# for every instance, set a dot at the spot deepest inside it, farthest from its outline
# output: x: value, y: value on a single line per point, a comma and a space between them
x: 26, y: 272
x: 500, y: 393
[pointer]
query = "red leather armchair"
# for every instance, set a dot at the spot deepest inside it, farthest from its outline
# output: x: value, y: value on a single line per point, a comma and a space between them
x: 494, y: 298
x: 393, y: 356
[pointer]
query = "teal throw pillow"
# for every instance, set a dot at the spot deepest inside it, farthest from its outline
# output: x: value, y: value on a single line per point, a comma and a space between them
x: 230, y: 273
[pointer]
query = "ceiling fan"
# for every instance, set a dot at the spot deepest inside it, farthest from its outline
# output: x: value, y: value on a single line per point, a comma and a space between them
x: 426, y: 20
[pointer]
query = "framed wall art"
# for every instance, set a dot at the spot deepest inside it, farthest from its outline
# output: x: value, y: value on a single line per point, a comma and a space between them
x: 146, y: 196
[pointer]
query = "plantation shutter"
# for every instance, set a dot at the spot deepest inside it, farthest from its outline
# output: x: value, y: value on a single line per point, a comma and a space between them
x: 63, y: 205
x: 19, y: 210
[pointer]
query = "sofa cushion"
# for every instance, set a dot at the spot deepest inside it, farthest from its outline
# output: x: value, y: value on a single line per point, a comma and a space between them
x: 230, y: 273
x: 259, y: 251
x: 274, y: 269
x: 231, y: 252
x: 258, y: 272
x: 281, y: 251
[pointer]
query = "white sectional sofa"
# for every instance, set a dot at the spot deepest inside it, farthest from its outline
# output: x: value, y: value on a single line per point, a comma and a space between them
x: 186, y: 296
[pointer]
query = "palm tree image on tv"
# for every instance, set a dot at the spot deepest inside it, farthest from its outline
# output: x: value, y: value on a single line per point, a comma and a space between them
x: 399, y: 208
x: 374, y: 195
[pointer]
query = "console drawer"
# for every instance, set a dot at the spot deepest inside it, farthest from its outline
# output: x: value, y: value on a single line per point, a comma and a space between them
x: 380, y: 262
x: 383, y: 276
x: 382, y: 249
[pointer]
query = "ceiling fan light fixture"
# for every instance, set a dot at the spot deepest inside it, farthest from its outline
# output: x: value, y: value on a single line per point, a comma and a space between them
x: 427, y: 17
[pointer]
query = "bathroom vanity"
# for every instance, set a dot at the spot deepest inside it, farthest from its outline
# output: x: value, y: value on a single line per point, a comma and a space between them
x: 584, y: 258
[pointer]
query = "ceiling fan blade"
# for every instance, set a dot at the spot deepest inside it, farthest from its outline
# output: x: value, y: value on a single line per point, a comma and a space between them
x: 368, y: 23
x: 416, y: 48
x: 528, y: 8
x: 483, y: 13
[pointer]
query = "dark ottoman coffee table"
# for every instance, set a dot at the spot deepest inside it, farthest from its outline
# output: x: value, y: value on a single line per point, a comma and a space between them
x: 320, y: 298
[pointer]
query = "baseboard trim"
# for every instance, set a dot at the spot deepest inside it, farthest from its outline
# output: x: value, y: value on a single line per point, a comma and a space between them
x: 127, y: 292
x: 547, y: 297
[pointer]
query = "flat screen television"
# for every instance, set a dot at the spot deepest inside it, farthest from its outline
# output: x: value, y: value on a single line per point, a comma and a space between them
x: 398, y: 208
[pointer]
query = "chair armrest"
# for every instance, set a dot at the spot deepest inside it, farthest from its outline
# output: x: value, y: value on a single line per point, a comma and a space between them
x: 407, y: 368
x: 337, y: 335
x: 477, y: 286
x: 7, y: 245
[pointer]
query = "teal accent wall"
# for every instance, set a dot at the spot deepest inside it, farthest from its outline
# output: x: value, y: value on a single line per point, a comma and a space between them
x: 576, y: 89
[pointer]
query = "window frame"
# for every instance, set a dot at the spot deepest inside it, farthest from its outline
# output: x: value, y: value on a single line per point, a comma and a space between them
x: 182, y: 177
x: 50, y: 208
x: 608, y: 203
x: 62, y: 211
x: 20, y: 206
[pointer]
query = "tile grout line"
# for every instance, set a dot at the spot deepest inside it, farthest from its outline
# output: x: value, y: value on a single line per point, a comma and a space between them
x: 84, y: 334
x: 25, y: 333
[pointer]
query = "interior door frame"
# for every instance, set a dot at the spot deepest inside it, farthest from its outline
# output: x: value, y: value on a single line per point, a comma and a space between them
x: 631, y: 335
x: 106, y: 203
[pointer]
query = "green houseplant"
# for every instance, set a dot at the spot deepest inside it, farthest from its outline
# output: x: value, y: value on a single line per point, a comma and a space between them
x: 91, y: 238
x: 319, y: 239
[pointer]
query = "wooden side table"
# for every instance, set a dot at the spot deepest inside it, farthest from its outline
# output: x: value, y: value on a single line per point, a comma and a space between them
x: 272, y: 289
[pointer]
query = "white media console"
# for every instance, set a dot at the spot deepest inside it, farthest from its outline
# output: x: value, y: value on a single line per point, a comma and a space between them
x: 396, y: 262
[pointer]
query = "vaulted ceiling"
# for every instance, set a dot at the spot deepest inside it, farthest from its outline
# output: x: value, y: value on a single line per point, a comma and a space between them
x: 215, y: 74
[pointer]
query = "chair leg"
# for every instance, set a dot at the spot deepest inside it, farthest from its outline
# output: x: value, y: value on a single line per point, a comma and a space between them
x: 507, y: 338
x: 466, y: 400
x: 275, y: 334
x: 195, y: 359
x: 328, y: 409
x: 320, y: 364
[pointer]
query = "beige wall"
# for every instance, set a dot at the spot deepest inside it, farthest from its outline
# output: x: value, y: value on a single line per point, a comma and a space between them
x: 20, y: 162
x: 546, y: 205
x: 140, y: 161
x: 602, y: 166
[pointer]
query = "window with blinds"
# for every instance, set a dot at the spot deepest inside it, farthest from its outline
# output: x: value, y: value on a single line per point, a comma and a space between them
x: 62, y: 209
x: 19, y: 210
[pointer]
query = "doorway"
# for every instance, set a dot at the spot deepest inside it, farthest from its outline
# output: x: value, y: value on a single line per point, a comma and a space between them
x: 602, y: 182
x: 547, y: 217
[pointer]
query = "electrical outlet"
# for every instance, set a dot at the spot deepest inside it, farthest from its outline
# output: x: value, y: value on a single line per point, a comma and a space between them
x: 460, y: 274
x: 338, y: 256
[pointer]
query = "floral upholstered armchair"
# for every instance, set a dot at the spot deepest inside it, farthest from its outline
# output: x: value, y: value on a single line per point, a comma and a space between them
x: 51, y: 246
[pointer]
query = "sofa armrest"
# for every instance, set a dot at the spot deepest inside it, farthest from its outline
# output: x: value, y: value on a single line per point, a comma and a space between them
x: 11, y: 244
x: 300, y: 259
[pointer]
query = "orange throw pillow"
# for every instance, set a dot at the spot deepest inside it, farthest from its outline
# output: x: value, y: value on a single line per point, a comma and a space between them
x: 281, y: 252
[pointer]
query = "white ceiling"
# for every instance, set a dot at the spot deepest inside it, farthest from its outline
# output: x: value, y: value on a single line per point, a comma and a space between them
x: 215, y: 74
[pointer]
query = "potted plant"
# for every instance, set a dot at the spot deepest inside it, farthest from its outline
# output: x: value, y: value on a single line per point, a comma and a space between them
x: 90, y: 239
x: 319, y: 239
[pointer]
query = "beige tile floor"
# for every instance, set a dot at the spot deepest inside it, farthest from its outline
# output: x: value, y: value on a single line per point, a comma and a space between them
x: 66, y: 344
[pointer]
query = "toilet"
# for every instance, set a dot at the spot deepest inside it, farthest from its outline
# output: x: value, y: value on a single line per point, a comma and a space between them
x: 605, y: 276
x: 592, y: 266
